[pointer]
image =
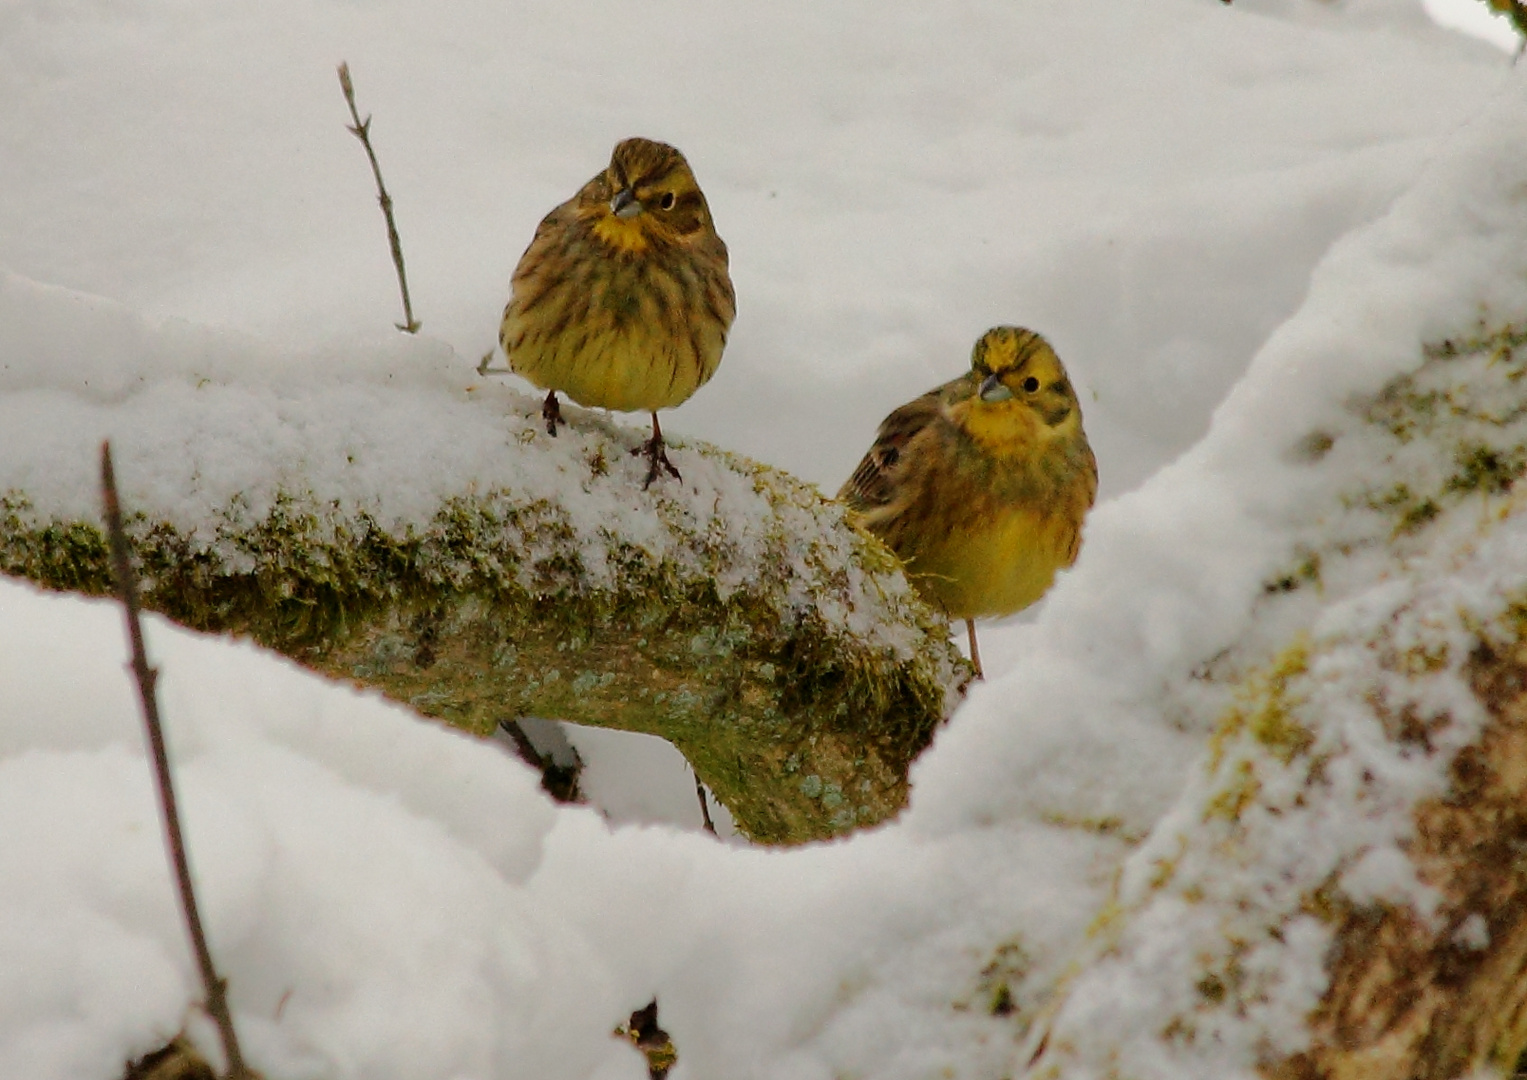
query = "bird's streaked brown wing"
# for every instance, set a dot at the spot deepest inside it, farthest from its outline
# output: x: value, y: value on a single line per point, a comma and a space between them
x: 876, y: 483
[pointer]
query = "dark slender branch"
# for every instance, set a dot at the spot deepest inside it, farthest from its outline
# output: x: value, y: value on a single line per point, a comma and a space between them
x: 361, y: 129
x: 557, y: 780
x: 710, y: 826
x: 522, y: 745
x: 127, y: 592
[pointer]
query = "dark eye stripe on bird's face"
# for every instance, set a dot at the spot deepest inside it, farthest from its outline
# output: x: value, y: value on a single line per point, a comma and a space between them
x: 1052, y: 401
x: 666, y: 193
x: 671, y: 204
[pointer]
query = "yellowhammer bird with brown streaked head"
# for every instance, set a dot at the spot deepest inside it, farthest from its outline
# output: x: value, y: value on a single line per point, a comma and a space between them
x: 623, y: 299
x: 981, y: 485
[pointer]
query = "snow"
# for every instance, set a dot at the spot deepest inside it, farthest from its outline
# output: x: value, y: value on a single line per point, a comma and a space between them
x: 865, y: 182
x: 284, y: 782
x: 1473, y: 933
x: 1237, y: 224
x: 1388, y: 610
x: 1477, y: 20
x: 637, y: 778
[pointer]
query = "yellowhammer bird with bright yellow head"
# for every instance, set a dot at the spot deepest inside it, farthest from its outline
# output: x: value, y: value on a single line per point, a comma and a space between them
x: 623, y: 299
x: 981, y: 485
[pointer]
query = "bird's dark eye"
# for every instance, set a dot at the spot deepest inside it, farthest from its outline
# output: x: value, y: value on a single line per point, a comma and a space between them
x: 1030, y: 384
x: 666, y: 202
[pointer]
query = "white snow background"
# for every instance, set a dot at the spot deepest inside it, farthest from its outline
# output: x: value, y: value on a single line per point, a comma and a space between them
x: 1158, y: 187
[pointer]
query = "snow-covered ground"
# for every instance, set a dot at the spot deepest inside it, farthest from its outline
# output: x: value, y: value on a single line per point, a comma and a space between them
x: 1152, y: 186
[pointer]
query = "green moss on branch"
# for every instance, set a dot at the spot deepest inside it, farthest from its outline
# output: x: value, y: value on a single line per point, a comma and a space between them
x: 800, y: 692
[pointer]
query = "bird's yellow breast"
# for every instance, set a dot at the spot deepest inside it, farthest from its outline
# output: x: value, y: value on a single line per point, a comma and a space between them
x: 617, y: 332
x: 631, y: 367
x: 997, y: 565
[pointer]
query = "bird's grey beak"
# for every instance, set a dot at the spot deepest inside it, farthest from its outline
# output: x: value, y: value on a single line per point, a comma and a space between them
x: 993, y: 389
x: 624, y: 205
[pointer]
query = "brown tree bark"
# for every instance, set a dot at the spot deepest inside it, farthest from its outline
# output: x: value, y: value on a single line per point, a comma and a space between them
x: 1412, y: 1000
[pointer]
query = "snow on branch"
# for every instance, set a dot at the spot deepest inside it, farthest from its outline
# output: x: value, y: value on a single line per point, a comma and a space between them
x: 430, y: 541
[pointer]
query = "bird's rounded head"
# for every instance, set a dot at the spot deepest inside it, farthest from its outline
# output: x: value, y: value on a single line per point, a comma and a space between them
x: 647, y: 194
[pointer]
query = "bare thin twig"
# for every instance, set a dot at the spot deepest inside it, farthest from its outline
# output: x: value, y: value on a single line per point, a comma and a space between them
x: 558, y: 780
x: 522, y: 745
x: 127, y: 592
x: 361, y: 129
x: 710, y: 826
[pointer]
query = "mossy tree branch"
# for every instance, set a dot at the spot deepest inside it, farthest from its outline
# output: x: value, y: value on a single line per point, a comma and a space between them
x: 801, y: 716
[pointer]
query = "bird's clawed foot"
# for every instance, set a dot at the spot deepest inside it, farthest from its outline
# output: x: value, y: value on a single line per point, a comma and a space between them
x: 551, y: 412
x: 656, y: 456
